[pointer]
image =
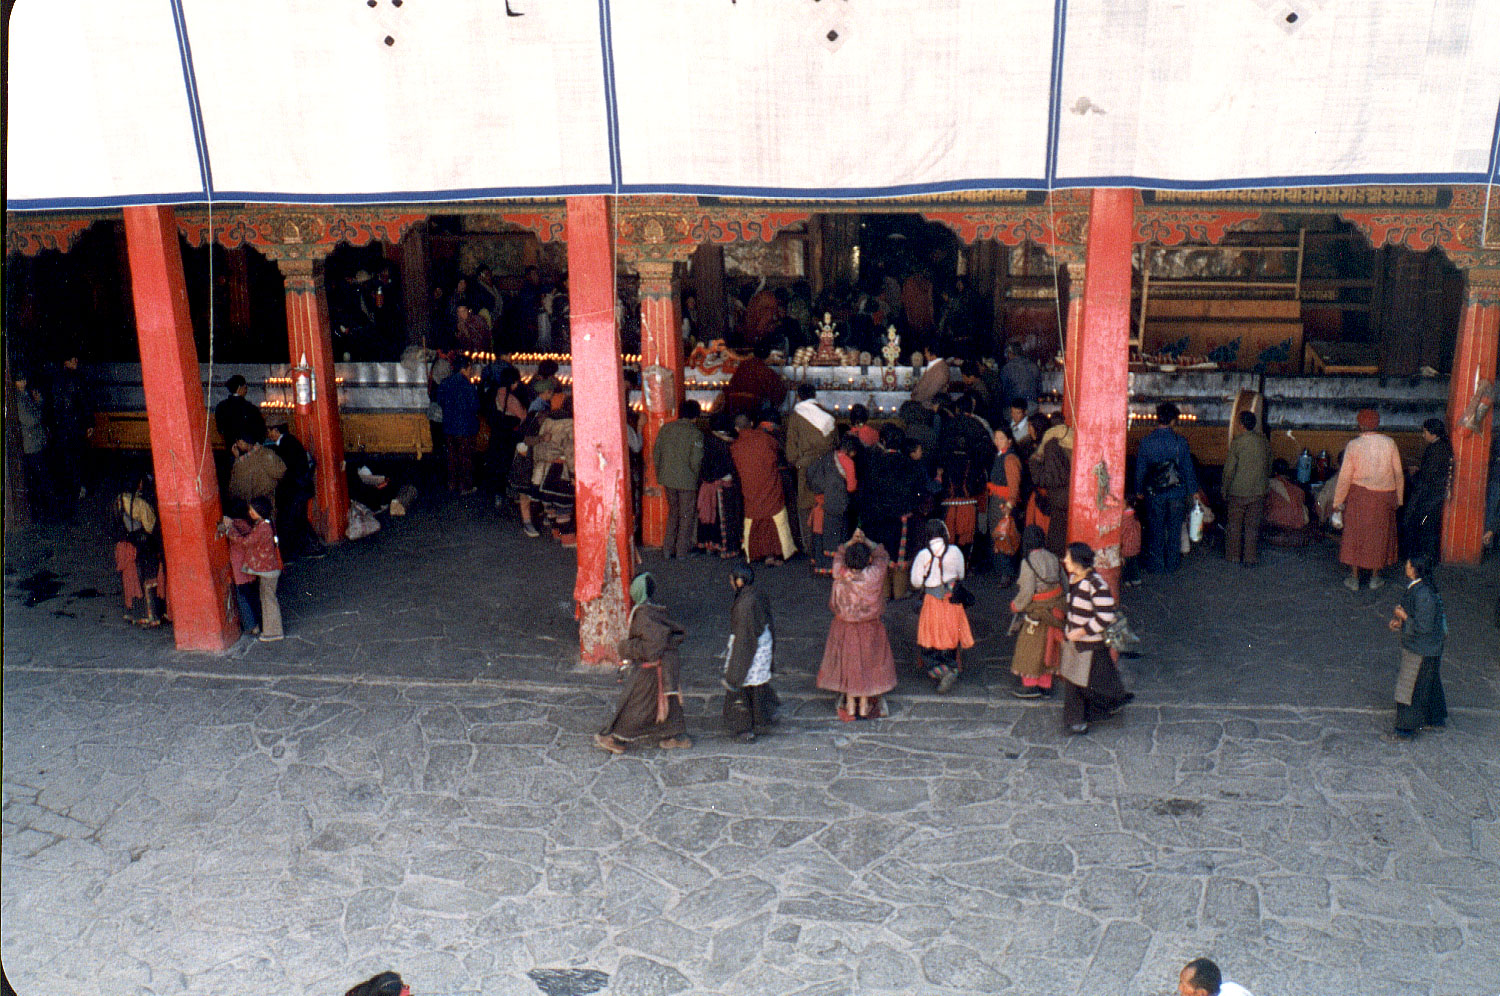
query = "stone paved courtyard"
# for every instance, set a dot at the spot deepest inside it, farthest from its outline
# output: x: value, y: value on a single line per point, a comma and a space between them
x: 407, y: 783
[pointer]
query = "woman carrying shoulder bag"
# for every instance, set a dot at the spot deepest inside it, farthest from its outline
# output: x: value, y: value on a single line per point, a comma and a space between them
x: 1092, y: 688
x: 1039, y: 607
x: 938, y: 572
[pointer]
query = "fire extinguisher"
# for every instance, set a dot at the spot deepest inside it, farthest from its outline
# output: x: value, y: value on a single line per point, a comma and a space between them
x: 305, y: 384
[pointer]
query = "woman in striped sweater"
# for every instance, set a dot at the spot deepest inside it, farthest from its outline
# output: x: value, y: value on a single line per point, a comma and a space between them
x: 1092, y: 688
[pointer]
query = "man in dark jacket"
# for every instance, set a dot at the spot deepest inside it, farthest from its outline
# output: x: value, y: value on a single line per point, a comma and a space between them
x: 1429, y: 491
x: 1020, y: 378
x: 749, y: 700
x: 884, y: 492
x: 1423, y: 627
x: 678, y: 456
x: 459, y: 400
x: 73, y: 427
x: 294, y: 490
x: 236, y: 417
x: 1164, y: 474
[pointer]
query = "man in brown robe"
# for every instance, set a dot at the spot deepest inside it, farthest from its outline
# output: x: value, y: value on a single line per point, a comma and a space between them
x: 756, y: 459
x: 650, y: 706
x: 762, y: 315
x: 752, y: 385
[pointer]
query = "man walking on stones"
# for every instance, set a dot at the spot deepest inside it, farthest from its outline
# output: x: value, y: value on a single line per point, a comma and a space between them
x: 650, y: 706
x: 749, y: 700
x: 1423, y: 626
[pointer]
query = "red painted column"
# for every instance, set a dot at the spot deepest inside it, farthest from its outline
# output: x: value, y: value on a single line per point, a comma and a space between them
x: 605, y: 564
x: 317, y: 424
x: 1101, y: 379
x: 661, y: 381
x: 1473, y: 366
x: 187, y: 488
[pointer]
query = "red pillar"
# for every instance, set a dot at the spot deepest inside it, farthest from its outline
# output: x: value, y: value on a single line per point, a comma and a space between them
x: 1101, y: 378
x: 1473, y: 366
x: 317, y: 423
x: 187, y: 488
x: 661, y: 380
x: 603, y: 511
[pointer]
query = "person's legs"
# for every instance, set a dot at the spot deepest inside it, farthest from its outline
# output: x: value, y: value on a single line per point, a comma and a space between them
x: 687, y: 522
x: 466, y: 464
x: 1234, y: 530
x: 270, y: 609
x: 1429, y: 692
x: 453, y: 444
x: 1156, y: 538
x: 784, y: 534
x: 1175, y: 513
x: 1255, y: 511
x: 247, y: 600
x: 1075, y: 708
x: 669, y: 527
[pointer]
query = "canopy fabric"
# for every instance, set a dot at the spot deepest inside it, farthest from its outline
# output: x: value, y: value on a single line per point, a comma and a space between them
x: 328, y: 102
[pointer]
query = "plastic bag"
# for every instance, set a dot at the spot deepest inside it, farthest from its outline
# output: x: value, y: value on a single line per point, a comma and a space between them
x: 1195, y: 523
x: 362, y: 521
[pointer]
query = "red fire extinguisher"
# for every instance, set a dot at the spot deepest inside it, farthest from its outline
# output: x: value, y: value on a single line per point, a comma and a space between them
x: 306, y: 385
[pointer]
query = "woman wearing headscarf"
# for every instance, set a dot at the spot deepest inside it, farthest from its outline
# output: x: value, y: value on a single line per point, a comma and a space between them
x: 1091, y: 683
x: 138, y: 554
x: 650, y: 706
x: 1039, y: 607
x: 857, y: 658
x: 943, y: 627
x: 1052, y: 476
x: 1371, y: 480
x: 1423, y: 519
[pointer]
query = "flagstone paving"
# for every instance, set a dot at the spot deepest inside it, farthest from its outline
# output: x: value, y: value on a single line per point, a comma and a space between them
x: 407, y: 783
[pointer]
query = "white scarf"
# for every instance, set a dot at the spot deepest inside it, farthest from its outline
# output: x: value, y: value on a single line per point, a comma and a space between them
x: 820, y: 419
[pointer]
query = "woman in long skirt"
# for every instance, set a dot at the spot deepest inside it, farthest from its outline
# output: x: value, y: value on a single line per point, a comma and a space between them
x: 650, y: 706
x: 1092, y: 683
x: 1039, y: 607
x: 857, y: 658
x: 943, y: 627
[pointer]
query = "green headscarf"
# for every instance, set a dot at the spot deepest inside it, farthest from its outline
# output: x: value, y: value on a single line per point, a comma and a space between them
x: 642, y: 588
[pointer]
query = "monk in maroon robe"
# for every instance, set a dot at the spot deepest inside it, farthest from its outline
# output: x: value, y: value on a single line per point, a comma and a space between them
x: 768, y: 529
x: 752, y: 385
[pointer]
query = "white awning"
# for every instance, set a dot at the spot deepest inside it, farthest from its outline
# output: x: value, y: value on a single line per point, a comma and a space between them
x: 319, y: 101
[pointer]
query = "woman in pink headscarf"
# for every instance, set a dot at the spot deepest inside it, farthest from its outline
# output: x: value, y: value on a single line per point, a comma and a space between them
x: 1368, y: 494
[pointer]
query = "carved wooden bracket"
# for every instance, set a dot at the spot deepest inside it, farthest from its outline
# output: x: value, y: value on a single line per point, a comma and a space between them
x: 284, y: 233
x: 1174, y: 227
x: 30, y: 234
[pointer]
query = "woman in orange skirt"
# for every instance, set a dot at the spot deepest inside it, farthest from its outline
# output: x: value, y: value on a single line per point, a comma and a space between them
x: 943, y: 628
